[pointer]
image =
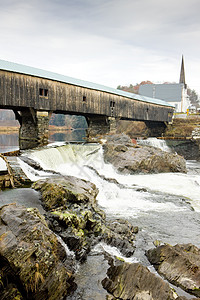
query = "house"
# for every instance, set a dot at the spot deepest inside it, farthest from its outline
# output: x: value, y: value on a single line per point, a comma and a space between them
x: 173, y: 93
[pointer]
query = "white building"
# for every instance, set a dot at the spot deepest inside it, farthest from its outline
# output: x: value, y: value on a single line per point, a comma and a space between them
x: 174, y: 93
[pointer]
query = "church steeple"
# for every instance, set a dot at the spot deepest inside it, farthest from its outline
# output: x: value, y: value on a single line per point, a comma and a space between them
x: 182, y: 74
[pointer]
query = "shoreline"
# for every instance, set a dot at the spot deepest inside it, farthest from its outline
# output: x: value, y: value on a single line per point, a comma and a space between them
x: 11, y: 129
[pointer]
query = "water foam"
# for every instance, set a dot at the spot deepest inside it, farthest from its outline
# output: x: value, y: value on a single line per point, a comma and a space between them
x: 113, y: 251
x: 74, y: 159
x: 157, y: 143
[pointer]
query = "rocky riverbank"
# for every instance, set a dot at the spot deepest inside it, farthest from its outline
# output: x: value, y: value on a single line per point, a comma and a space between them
x: 183, y: 135
x: 36, y: 264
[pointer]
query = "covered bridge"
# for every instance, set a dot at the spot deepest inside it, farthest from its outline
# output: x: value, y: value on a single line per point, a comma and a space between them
x: 33, y: 94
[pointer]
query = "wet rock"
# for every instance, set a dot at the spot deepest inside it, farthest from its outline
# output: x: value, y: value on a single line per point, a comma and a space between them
x: 64, y: 190
x: 73, y: 213
x: 73, y: 210
x: 33, y: 262
x: 89, y: 278
x: 130, y: 158
x: 17, y: 175
x: 121, y: 236
x: 180, y: 264
x: 189, y: 149
x: 31, y: 163
x: 133, y: 281
x: 11, y: 292
x: 118, y: 139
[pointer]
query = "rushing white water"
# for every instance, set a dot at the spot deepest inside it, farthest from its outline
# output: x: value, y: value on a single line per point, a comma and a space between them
x: 67, y: 251
x: 164, y: 206
x: 81, y: 161
x: 160, y: 204
x: 32, y: 174
x: 155, y: 143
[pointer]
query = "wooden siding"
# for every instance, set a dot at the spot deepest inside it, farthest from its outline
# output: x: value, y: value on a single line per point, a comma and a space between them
x: 18, y: 91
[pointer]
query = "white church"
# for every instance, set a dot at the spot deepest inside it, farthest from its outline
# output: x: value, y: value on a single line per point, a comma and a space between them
x: 174, y: 93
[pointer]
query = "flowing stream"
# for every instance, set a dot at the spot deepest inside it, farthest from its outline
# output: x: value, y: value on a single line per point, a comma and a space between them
x: 165, y: 207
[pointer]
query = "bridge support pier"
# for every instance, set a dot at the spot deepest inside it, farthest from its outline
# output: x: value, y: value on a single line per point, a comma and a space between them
x: 33, y: 128
x: 100, y: 125
x: 155, y: 129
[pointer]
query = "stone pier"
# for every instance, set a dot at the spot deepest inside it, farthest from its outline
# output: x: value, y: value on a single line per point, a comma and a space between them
x: 33, y: 128
x: 155, y: 129
x: 100, y: 125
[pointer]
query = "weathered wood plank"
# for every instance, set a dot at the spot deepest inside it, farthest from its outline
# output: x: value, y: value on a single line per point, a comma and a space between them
x: 22, y: 91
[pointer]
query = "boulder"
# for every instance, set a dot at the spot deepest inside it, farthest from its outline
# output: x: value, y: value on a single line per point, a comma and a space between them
x: 33, y: 262
x: 59, y: 191
x: 130, y: 158
x: 134, y: 281
x: 121, y: 234
x: 179, y: 264
x: 73, y: 213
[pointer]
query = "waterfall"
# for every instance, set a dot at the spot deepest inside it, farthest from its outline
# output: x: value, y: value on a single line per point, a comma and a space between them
x: 157, y: 143
x: 70, y: 159
x: 86, y: 161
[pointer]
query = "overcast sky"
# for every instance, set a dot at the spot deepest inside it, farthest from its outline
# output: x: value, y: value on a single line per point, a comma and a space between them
x: 109, y: 42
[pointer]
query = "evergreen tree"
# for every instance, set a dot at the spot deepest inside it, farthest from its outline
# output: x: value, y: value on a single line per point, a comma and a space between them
x: 193, y: 97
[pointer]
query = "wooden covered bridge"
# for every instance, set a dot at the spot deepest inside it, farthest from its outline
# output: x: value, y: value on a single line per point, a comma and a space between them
x: 33, y: 95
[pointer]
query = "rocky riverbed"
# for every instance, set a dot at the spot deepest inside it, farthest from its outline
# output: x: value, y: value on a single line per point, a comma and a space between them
x: 35, y: 263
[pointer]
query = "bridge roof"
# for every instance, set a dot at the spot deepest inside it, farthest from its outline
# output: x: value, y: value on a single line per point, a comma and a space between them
x: 22, y: 69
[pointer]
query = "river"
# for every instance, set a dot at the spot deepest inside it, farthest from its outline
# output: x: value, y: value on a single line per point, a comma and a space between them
x: 165, y: 207
x: 10, y: 141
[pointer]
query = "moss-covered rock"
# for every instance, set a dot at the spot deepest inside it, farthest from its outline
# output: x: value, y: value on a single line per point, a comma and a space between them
x: 31, y: 256
x: 81, y: 223
x: 11, y: 292
x: 66, y: 190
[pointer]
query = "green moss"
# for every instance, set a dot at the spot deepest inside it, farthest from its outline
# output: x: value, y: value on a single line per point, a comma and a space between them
x: 71, y: 219
x: 119, y: 258
x: 1, y: 282
x: 79, y: 233
x: 120, y: 287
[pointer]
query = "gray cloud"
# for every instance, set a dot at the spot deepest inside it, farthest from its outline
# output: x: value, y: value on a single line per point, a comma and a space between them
x: 111, y: 42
